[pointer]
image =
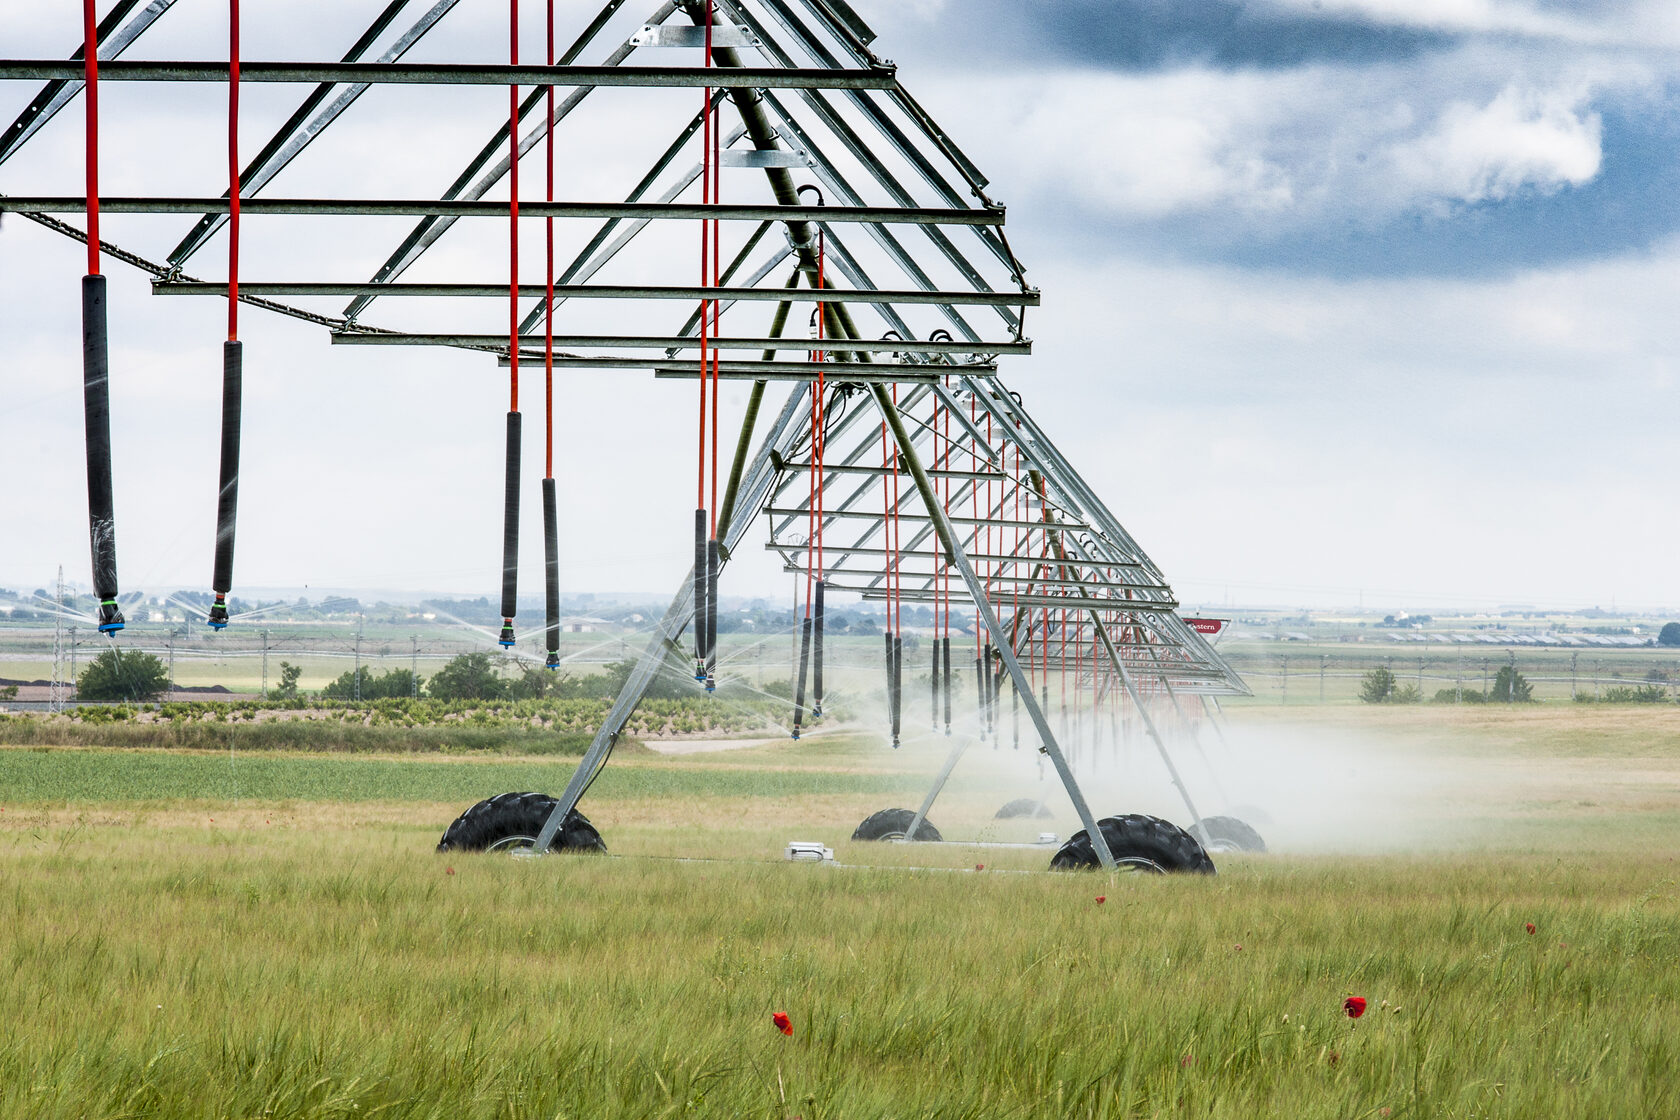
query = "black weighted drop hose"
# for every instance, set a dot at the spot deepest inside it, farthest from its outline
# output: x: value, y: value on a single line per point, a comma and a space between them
x: 700, y: 595
x: 1014, y: 715
x: 227, y: 498
x: 933, y: 705
x: 713, y: 562
x: 510, y: 533
x: 96, y: 415
x: 799, y: 686
x: 551, y: 570
x: 817, y: 655
x: 897, y: 686
x: 946, y: 642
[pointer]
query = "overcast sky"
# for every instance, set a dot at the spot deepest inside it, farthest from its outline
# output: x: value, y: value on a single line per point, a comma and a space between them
x: 1343, y: 300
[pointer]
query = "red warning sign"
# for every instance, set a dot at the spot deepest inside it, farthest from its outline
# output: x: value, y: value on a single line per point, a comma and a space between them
x: 1208, y: 626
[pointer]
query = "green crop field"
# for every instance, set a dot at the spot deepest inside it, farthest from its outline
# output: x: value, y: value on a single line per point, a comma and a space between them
x: 216, y: 934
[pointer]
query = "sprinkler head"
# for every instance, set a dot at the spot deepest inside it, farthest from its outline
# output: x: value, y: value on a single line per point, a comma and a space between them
x: 110, y: 617
x: 506, y: 640
x: 553, y: 661
x: 699, y: 671
x: 796, y: 734
x: 816, y: 711
x: 895, y: 742
x: 711, y: 686
x: 218, y: 613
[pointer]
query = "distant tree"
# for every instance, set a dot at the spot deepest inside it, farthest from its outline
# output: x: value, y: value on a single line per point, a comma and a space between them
x: 344, y: 687
x: 1511, y: 686
x: 1669, y: 635
x: 127, y: 677
x: 534, y: 683
x: 471, y: 676
x: 397, y: 684
x: 289, y: 675
x: 1378, y: 687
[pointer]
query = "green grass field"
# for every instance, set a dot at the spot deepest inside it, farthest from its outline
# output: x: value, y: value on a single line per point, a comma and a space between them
x: 199, y: 934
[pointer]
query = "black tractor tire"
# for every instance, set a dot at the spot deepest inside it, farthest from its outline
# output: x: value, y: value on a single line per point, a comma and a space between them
x: 512, y: 820
x: 1138, y: 843
x: 1228, y: 834
x: 892, y: 824
x: 1023, y: 807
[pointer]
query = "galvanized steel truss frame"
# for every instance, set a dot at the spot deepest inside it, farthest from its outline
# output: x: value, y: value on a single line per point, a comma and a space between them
x: 994, y: 519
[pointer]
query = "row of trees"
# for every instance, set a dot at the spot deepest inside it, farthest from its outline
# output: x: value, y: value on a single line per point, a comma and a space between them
x: 1381, y: 686
x: 134, y: 678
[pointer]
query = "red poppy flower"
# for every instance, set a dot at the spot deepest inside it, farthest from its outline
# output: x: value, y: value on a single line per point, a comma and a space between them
x: 1101, y: 898
x: 979, y: 867
x: 449, y: 871
x: 1354, y: 1006
x: 783, y: 1023
x: 1529, y: 927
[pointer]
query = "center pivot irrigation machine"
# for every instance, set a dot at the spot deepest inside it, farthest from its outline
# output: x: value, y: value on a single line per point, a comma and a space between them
x: 898, y: 467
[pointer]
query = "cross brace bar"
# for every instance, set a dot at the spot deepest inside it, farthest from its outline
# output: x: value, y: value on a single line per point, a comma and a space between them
x: 455, y: 74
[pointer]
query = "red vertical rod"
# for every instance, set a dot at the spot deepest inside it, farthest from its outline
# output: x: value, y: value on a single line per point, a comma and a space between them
x: 513, y: 212
x: 90, y: 69
x: 548, y: 273
x: 232, y: 172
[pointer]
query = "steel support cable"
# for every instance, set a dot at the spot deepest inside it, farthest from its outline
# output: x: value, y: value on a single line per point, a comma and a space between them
x: 96, y: 363
x: 510, y: 494
x: 233, y: 354
x: 550, y: 499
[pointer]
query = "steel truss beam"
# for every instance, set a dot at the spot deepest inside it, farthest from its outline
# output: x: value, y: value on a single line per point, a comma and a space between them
x: 672, y: 343
x: 1040, y: 560
x: 453, y: 74
x: 369, y: 207
x: 295, y: 290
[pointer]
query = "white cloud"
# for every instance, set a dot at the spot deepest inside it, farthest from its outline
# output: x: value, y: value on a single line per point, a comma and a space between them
x: 1544, y: 140
x: 1641, y: 22
x: 1144, y: 146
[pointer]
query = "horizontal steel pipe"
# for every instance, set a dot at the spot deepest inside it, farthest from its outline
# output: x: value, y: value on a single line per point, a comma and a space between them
x: 594, y: 291
x: 676, y: 342
x: 768, y: 371
x: 481, y: 208
x: 854, y: 375
x: 456, y: 74
x: 906, y: 515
